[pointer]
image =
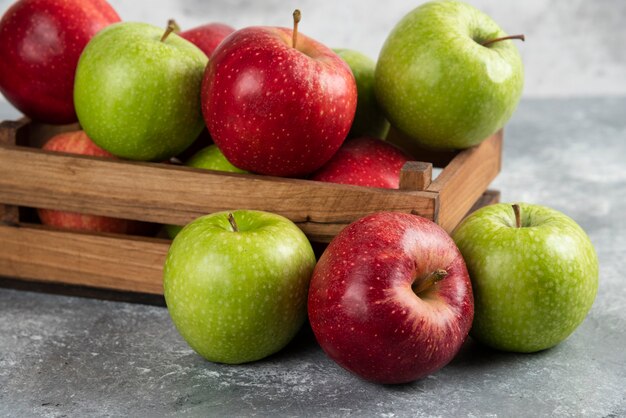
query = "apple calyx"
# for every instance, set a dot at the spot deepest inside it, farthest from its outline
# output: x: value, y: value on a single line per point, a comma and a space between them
x: 233, y: 224
x: 296, y: 19
x: 424, y: 284
x: 521, y: 37
x: 518, y: 216
x: 172, y: 26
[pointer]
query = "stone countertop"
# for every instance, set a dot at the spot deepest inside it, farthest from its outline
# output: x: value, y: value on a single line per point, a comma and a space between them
x: 63, y: 355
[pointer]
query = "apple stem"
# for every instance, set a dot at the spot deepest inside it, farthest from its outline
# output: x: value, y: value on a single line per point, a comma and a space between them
x: 518, y: 215
x: 233, y: 224
x: 172, y: 23
x: 296, y: 19
x: 430, y: 280
x: 504, y: 38
x: 169, y: 29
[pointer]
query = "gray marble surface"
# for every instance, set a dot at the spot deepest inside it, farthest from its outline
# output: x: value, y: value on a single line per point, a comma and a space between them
x: 71, y: 356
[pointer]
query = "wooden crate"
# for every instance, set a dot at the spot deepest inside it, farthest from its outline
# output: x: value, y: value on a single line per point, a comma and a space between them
x: 169, y: 194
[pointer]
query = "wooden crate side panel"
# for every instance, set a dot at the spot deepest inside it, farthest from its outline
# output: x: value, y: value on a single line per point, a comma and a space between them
x: 96, y: 260
x: 465, y: 179
x: 170, y: 194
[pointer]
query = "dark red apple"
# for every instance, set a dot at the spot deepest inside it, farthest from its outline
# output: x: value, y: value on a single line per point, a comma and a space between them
x: 367, y: 162
x: 207, y: 37
x: 390, y: 298
x: 276, y: 109
x: 77, y: 142
x: 40, y: 43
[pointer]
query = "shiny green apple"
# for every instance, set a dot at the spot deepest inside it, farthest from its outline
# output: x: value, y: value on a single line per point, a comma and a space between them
x: 440, y: 83
x: 369, y: 119
x: 236, y: 289
x: 533, y: 281
x: 138, y: 96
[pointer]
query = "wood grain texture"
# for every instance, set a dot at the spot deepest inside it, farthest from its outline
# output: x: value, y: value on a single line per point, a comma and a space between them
x: 9, y: 214
x: 97, y: 260
x: 107, y: 261
x: 416, y: 175
x: 465, y: 178
x: 176, y: 195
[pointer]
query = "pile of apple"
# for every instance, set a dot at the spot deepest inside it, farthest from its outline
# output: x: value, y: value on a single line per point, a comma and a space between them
x: 393, y: 297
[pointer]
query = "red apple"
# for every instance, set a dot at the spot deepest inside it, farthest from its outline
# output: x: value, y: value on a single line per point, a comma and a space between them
x: 276, y: 109
x: 367, y: 162
x: 40, y: 43
x: 390, y: 298
x: 207, y: 37
x: 77, y: 142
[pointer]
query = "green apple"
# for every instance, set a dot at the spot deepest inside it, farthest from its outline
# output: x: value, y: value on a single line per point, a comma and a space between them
x: 209, y: 158
x: 440, y: 80
x: 534, y: 276
x: 138, y: 96
x: 369, y: 119
x: 236, y: 286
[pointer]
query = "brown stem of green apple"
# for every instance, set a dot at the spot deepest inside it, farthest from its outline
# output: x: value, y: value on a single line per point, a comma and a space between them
x: 170, y: 28
x: 233, y: 224
x: 504, y: 38
x: 296, y: 19
x: 430, y: 280
x: 174, y: 25
x: 518, y: 215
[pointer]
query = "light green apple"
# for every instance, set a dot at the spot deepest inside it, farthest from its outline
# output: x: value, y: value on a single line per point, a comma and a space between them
x: 138, y: 96
x: 237, y: 289
x: 209, y: 158
x: 534, y: 283
x: 369, y: 119
x: 438, y: 83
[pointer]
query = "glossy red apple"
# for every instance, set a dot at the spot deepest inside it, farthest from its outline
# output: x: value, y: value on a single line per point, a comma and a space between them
x: 207, y: 37
x: 276, y: 109
x: 390, y: 298
x: 367, y: 162
x: 77, y: 142
x: 40, y: 43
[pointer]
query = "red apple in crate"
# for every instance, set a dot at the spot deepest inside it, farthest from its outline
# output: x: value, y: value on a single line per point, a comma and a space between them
x: 40, y: 42
x: 390, y: 298
x: 367, y: 162
x: 77, y: 142
x: 207, y: 37
x: 277, y: 102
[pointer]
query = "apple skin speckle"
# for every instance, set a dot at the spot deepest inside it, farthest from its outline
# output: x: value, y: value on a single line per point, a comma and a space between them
x: 273, y: 109
x: 369, y: 162
x: 362, y: 307
x: 534, y: 285
x: 139, y: 97
x: 237, y: 297
x: 438, y: 85
x: 40, y: 43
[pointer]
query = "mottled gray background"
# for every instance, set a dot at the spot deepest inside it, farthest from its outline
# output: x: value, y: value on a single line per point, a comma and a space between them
x: 573, y: 48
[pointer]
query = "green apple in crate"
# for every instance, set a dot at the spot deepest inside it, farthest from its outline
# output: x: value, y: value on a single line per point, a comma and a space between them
x: 209, y: 158
x: 368, y: 119
x: 137, y: 91
x: 445, y: 76
x: 534, y: 274
x: 236, y: 284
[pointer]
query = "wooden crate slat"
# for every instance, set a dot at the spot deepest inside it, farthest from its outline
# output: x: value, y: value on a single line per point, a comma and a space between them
x: 98, y: 260
x: 465, y: 178
x: 116, y: 262
x: 170, y: 194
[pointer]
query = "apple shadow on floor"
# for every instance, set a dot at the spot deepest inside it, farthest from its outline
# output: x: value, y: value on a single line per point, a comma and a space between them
x: 476, y: 356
